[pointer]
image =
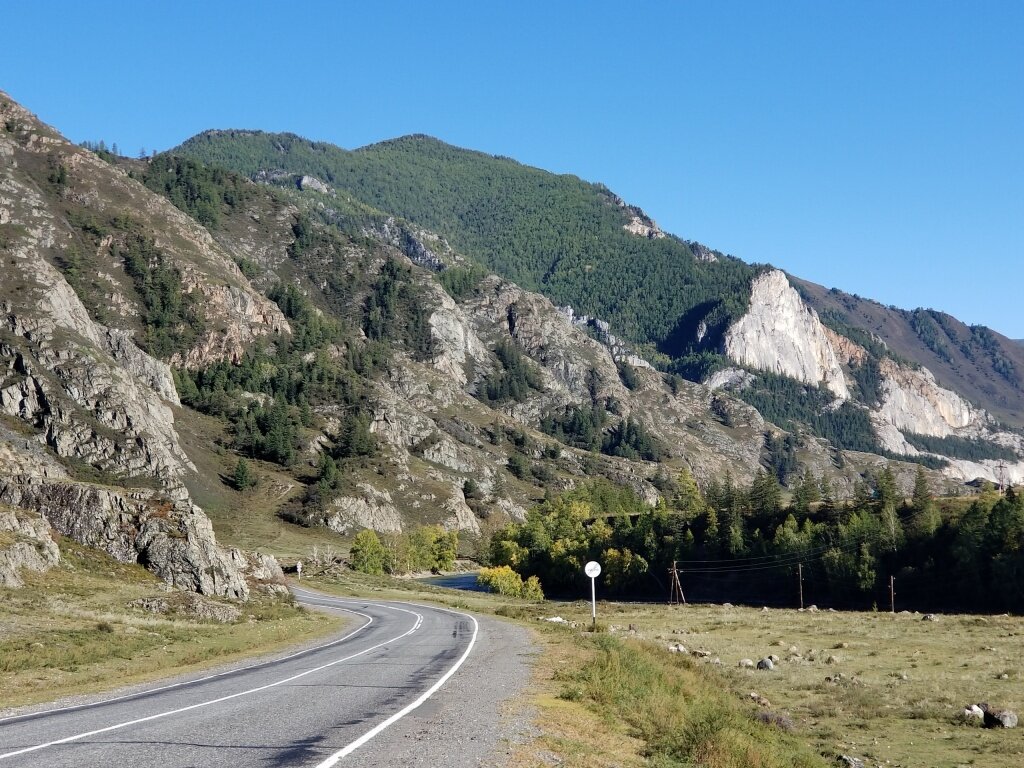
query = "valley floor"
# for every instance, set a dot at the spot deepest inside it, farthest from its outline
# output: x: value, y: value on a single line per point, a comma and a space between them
x: 885, y: 688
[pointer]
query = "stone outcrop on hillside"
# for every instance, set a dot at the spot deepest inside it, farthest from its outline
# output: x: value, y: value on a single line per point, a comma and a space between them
x: 912, y: 401
x: 371, y: 508
x: 95, y: 396
x: 79, y: 395
x: 173, y: 539
x: 25, y: 545
x: 781, y: 334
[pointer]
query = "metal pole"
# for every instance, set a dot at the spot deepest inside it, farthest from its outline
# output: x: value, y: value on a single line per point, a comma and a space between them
x: 892, y: 594
x: 800, y: 578
x: 593, y: 601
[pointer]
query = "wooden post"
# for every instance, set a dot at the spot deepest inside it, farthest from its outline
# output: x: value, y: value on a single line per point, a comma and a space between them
x: 892, y: 594
x: 800, y: 579
x: 676, y: 596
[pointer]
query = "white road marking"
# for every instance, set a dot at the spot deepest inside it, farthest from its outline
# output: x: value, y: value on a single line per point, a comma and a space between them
x: 352, y: 747
x: 191, y: 707
x: 147, y: 691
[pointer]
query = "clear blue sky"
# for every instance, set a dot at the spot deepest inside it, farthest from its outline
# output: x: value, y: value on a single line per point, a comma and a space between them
x: 873, y: 146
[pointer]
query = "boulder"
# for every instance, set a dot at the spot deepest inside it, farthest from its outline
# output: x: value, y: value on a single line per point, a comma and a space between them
x: 998, y: 718
x: 766, y: 664
x: 25, y: 545
x: 746, y: 664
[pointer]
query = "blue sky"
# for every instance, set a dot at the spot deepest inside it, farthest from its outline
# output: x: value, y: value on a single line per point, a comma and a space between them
x: 873, y: 146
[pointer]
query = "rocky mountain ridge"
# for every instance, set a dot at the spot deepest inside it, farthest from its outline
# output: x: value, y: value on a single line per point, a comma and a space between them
x: 77, y: 393
x: 783, y: 335
x: 379, y: 374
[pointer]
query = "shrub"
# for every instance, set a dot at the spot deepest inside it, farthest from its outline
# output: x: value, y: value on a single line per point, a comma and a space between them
x: 507, y: 583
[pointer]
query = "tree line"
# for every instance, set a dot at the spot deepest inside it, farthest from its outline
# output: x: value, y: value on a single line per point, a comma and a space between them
x: 744, y: 544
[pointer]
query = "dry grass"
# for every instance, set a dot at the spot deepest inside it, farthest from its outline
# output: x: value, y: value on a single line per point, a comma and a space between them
x: 903, y: 680
x: 71, y: 631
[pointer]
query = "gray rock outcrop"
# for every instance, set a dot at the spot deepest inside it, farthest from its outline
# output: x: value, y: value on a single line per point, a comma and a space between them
x: 372, y: 508
x: 25, y: 544
x: 172, y: 539
x: 912, y: 401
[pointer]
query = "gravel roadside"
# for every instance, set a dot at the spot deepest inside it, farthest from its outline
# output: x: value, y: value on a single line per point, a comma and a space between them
x: 474, y: 719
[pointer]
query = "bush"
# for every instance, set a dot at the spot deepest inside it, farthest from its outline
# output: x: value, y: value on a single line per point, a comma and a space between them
x: 507, y: 583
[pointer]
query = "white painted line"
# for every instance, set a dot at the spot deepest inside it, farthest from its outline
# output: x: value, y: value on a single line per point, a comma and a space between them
x: 191, y: 707
x: 350, y: 748
x: 192, y: 681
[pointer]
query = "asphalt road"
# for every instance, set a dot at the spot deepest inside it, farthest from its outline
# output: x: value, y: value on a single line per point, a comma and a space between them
x: 314, y: 708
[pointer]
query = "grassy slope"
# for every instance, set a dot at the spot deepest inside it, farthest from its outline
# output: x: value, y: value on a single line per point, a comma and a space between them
x: 71, y: 631
x: 247, y: 520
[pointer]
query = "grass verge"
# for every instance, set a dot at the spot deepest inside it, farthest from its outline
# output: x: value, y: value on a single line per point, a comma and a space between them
x: 72, y: 630
x: 680, y: 712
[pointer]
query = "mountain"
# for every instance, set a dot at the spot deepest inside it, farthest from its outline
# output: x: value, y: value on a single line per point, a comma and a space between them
x: 101, y: 279
x: 338, y: 329
x: 166, y: 322
x: 868, y: 378
x: 575, y: 242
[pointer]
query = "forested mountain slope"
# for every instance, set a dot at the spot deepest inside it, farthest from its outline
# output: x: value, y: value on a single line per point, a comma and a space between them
x: 687, y: 309
x: 574, y: 241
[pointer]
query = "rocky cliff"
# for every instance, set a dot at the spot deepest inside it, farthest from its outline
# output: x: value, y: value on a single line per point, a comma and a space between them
x: 81, y: 398
x: 779, y: 333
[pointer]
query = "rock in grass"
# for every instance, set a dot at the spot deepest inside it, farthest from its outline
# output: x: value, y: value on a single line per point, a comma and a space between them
x: 851, y: 762
x: 998, y: 718
x: 746, y: 663
x: 973, y: 713
x: 766, y: 664
x: 190, y: 605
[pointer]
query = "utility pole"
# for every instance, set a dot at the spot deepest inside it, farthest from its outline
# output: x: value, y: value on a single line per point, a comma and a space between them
x: 676, y: 596
x: 800, y: 580
x: 892, y: 594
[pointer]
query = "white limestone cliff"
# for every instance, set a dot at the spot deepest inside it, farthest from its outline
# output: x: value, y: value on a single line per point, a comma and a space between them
x: 912, y: 401
x: 781, y: 334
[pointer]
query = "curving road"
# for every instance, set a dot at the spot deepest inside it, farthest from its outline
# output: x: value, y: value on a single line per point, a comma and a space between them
x: 312, y: 708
